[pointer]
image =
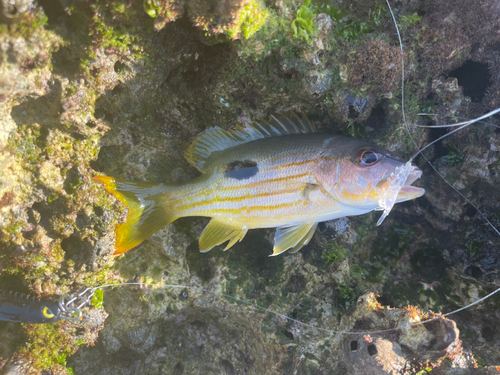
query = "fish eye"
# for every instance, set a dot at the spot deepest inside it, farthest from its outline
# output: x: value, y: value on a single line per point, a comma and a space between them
x: 367, y: 157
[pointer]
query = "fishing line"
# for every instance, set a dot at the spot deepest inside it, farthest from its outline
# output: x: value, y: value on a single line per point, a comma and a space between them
x: 465, y: 124
x: 450, y: 125
x: 236, y: 299
x: 220, y: 294
x: 461, y: 126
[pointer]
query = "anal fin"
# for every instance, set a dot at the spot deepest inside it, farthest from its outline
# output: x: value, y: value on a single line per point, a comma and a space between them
x: 218, y: 232
x: 293, y: 237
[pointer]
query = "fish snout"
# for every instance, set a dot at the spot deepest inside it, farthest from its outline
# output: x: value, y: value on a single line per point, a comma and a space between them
x: 409, y: 192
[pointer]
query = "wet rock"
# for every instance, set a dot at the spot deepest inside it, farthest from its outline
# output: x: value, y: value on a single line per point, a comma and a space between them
x: 190, y: 341
x: 405, y: 348
x: 14, y: 9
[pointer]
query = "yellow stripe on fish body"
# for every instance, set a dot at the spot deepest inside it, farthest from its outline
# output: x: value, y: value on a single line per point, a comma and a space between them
x: 271, y: 174
x: 264, y: 194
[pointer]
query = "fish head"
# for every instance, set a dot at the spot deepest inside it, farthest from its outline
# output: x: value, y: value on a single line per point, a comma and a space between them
x: 368, y: 174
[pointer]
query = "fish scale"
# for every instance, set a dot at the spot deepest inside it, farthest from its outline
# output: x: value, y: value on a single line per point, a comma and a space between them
x: 281, y: 178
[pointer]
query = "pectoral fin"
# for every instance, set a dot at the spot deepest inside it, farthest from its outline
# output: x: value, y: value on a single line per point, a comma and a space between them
x: 294, y: 237
x: 218, y: 232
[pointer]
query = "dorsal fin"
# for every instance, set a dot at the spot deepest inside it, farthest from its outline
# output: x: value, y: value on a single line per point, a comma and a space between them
x: 217, y: 139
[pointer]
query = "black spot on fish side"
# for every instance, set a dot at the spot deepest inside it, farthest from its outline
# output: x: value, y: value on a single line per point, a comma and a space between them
x: 241, y: 170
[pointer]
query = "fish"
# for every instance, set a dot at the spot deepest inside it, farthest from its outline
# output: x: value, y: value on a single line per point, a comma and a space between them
x: 277, y: 173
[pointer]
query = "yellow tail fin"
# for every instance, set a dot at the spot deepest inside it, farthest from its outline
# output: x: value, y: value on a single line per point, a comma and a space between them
x: 147, y: 210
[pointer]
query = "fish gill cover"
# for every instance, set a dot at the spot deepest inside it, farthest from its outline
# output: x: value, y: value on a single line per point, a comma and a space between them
x: 101, y: 86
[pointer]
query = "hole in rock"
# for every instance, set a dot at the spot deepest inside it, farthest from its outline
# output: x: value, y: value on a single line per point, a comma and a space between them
x: 372, y: 349
x: 377, y: 118
x: 474, y: 78
x: 488, y: 334
x: 470, y: 211
x: 352, y: 112
x: 474, y: 271
x: 354, y: 346
x: 53, y: 10
x: 119, y: 67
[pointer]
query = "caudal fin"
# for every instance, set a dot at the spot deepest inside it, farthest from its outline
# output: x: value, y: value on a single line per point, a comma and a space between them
x: 147, y: 210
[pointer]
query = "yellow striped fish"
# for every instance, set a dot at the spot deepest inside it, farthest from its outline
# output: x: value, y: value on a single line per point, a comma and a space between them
x: 278, y: 173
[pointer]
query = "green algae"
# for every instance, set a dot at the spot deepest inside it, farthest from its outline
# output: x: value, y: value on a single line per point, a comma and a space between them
x: 335, y: 254
x: 253, y: 16
x: 152, y: 8
x: 48, y: 345
x: 386, y: 250
x: 304, y: 24
x: 347, y: 296
x: 454, y: 157
x: 408, y: 20
x: 98, y: 299
x: 473, y: 247
x: 349, y: 27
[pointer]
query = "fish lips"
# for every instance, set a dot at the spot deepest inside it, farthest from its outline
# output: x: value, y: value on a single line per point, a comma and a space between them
x: 408, y: 191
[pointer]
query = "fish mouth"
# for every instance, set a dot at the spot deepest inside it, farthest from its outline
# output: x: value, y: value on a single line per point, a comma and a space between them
x: 408, y: 191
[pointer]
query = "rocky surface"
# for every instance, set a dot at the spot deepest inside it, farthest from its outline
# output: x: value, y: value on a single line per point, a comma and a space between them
x: 121, y: 87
